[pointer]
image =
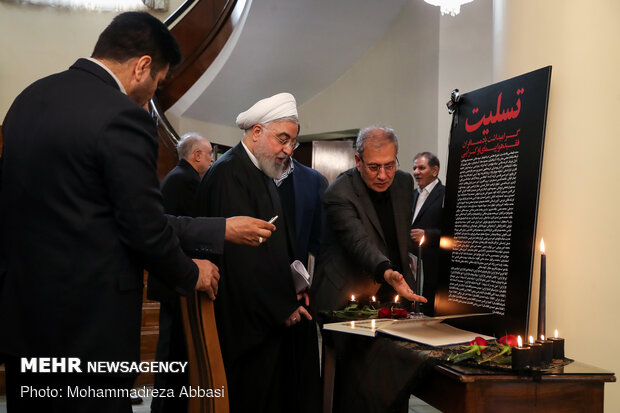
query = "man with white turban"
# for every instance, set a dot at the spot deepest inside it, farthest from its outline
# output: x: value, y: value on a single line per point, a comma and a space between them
x: 257, y: 303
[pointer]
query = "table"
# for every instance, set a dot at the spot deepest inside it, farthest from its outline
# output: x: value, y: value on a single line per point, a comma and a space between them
x: 363, y: 374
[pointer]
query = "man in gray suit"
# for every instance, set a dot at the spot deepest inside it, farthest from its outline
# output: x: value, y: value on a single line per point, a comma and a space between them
x: 366, y: 240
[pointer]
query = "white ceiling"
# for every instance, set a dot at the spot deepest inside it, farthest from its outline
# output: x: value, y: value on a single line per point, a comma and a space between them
x: 296, y: 46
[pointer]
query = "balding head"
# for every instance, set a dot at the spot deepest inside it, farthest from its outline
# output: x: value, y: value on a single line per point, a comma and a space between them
x: 196, y: 150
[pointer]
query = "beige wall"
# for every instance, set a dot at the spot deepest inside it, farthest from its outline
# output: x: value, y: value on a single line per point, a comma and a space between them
x: 465, y: 62
x: 38, y: 41
x: 222, y: 134
x: 581, y: 173
x: 395, y: 83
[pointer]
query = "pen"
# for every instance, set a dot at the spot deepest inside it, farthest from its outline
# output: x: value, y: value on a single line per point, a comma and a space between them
x: 272, y: 220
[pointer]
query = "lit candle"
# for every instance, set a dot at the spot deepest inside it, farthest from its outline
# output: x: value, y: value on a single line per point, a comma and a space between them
x: 558, y: 346
x: 352, y: 301
x: 374, y: 303
x: 535, y: 353
x: 543, y: 289
x: 396, y: 303
x: 520, y: 356
x: 418, y: 278
x: 547, y: 349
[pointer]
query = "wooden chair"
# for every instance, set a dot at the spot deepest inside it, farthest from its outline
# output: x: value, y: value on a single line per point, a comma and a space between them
x: 206, y: 367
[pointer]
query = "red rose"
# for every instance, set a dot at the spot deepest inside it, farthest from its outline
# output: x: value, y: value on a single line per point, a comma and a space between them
x: 385, y: 313
x: 509, y: 340
x: 479, y: 341
x: 399, y: 313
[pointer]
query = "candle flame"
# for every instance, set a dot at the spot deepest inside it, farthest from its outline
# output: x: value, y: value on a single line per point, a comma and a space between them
x: 556, y: 333
x: 519, y: 341
x: 372, y: 324
x: 352, y: 324
x: 374, y: 299
x: 542, y: 245
x: 422, y: 240
x: 542, y: 337
x: 396, y: 299
x: 531, y: 340
x: 352, y: 297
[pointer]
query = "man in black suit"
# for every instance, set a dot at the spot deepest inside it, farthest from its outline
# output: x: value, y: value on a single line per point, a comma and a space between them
x: 178, y: 189
x: 366, y: 242
x: 83, y: 220
x: 428, y: 207
x: 179, y: 186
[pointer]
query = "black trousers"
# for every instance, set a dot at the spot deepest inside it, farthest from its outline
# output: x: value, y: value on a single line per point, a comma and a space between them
x: 64, y: 392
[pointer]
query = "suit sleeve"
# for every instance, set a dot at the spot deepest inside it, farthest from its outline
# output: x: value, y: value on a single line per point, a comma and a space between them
x: 200, y: 235
x: 127, y: 151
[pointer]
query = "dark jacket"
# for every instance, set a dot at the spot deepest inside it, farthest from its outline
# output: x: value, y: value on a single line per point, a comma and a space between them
x: 353, y: 241
x: 81, y: 219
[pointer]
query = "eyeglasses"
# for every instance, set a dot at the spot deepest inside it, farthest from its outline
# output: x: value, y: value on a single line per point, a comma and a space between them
x: 389, y: 167
x: 291, y: 143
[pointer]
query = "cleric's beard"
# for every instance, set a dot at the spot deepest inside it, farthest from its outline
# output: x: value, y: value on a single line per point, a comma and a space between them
x: 268, y: 164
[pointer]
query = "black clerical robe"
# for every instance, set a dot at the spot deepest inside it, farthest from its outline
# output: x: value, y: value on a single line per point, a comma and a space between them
x: 256, y: 293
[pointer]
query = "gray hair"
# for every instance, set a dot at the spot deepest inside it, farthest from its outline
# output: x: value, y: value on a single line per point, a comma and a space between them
x: 188, y: 143
x: 432, y: 159
x: 374, y: 131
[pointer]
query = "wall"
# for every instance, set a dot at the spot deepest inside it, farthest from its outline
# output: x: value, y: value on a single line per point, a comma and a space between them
x: 38, y: 41
x: 222, y: 134
x: 465, y: 62
x: 581, y: 173
x: 395, y: 83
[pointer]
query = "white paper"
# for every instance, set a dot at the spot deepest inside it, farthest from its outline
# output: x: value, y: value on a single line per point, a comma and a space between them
x: 301, y: 278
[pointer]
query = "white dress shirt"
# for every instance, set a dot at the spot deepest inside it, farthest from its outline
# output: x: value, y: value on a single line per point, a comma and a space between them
x: 424, y: 193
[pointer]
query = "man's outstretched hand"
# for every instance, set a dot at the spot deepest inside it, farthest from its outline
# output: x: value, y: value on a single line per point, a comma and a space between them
x: 397, y: 281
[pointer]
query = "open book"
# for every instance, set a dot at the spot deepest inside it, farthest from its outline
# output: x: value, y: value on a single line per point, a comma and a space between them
x: 430, y: 330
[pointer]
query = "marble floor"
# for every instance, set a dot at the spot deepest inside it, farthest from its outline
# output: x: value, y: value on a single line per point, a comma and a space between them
x: 415, y: 406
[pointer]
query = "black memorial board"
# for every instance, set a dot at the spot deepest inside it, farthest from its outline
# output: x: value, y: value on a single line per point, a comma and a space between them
x: 491, y: 203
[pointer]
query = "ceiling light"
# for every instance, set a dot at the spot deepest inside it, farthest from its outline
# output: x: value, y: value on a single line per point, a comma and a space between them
x: 451, y: 7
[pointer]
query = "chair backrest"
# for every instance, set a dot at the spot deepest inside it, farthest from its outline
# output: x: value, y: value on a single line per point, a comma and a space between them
x: 206, y: 367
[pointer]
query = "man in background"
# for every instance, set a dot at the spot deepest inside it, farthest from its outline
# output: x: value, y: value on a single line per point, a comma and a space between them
x: 179, y: 186
x: 178, y: 189
x: 428, y: 207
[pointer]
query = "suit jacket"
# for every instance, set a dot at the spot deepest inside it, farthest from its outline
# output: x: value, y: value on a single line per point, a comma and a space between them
x: 353, y: 241
x: 429, y: 219
x: 81, y: 218
x: 179, y: 188
x: 309, y: 186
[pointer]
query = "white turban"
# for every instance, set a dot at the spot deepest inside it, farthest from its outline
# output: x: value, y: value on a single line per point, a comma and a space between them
x: 266, y: 110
